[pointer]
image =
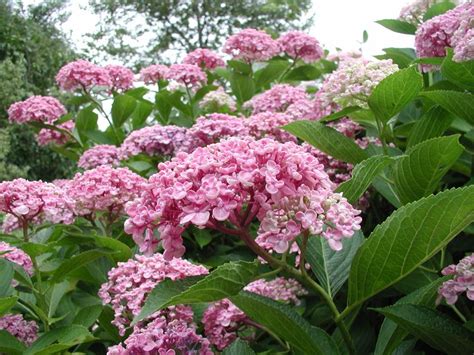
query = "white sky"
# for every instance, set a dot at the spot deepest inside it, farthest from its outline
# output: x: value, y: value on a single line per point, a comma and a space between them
x: 337, y: 23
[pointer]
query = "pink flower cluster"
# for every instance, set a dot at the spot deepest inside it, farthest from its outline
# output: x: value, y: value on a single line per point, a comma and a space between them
x: 352, y: 83
x: 222, y: 320
x: 251, y: 45
x: 204, y: 58
x: 155, y: 140
x: 34, y: 202
x: 82, y: 74
x: 104, y: 189
x: 47, y: 136
x: 25, y: 331
x: 277, y: 99
x: 268, y: 124
x: 343, y: 56
x: 44, y: 109
x: 463, y: 281
x: 438, y: 33
x: 120, y: 77
x: 413, y: 13
x: 300, y: 45
x: 130, y: 282
x: 302, y: 110
x: 102, y: 154
x: 281, y: 185
x: 16, y: 256
x: 216, y: 100
x: 463, y: 38
x: 153, y: 73
x: 191, y: 76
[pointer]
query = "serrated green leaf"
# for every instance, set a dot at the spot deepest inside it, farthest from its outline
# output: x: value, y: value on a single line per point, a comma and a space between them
x: 88, y: 315
x: 403, y: 57
x: 394, y: 92
x: 328, y: 140
x: 332, y: 267
x: 86, y: 120
x: 10, y: 345
x: 303, y: 73
x: 459, y: 73
x: 460, y: 104
x: 432, y: 124
x: 242, y: 86
x: 434, y: 328
x: 6, y: 303
x: 240, y: 67
x: 141, y: 113
x: 122, y: 108
x: 419, y: 172
x: 121, y: 251
x: 6, y: 277
x: 340, y: 114
x: 285, y: 323
x: 362, y: 176
x: 398, y: 26
x: 224, y: 281
x: 408, y: 238
x: 238, y: 347
x: 272, y: 71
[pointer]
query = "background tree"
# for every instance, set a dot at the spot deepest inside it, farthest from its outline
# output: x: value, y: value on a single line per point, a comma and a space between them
x: 32, y: 49
x: 165, y: 29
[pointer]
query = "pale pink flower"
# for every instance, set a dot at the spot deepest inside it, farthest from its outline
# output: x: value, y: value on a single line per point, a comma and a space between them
x: 463, y: 281
x: 277, y: 99
x: 44, y: 109
x: 269, y: 125
x: 120, y: 76
x: 217, y: 99
x: 47, y: 136
x: 299, y: 45
x: 153, y: 73
x: 191, y: 76
x: 102, y: 154
x: 16, y: 256
x: 204, y: 58
x: 251, y: 45
x: 82, y: 74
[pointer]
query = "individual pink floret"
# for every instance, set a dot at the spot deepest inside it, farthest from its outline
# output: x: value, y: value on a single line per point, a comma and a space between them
x: 82, y: 74
x: 102, y: 154
x: 204, y: 58
x: 44, y: 109
x: 251, y: 45
x: 299, y: 45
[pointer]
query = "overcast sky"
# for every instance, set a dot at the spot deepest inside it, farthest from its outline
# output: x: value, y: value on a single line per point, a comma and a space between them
x: 337, y: 23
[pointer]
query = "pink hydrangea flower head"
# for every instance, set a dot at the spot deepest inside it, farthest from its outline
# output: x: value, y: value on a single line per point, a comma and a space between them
x: 191, y: 76
x: 47, y: 136
x: 104, y: 189
x: 463, y: 38
x: 102, y: 154
x: 16, y: 256
x: 302, y: 110
x: 285, y: 188
x: 153, y: 73
x: 82, y: 74
x: 44, y: 109
x: 120, y: 76
x: 268, y: 124
x: 463, y: 281
x: 34, y: 202
x: 299, y: 45
x: 217, y: 99
x: 251, y: 45
x: 413, y: 13
x: 433, y: 36
x: 155, y: 140
x: 343, y: 56
x: 277, y: 99
x: 204, y: 58
x: 130, y: 282
x: 352, y: 83
x: 25, y: 331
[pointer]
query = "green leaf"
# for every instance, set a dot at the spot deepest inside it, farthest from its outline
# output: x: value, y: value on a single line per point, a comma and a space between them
x: 224, y: 281
x: 434, y: 328
x: 122, y: 108
x: 418, y: 173
x: 141, y: 113
x: 56, y: 294
x: 365, y: 36
x: 391, y: 335
x: 285, y: 323
x: 461, y: 74
x: 240, y: 67
x: 340, y: 114
x: 87, y: 316
x: 238, y: 347
x: 332, y: 267
x: 409, y: 237
x: 362, y: 176
x: 121, y: 251
x: 98, y: 137
x: 6, y: 303
x: 137, y: 93
x: 403, y: 57
x: 10, y: 345
x: 272, y: 71
x: 6, y: 277
x: 398, y: 26
x: 460, y: 104
x: 432, y: 124
x: 242, y: 86
x: 394, y: 92
x: 328, y: 140
x: 303, y: 73
x: 86, y: 120
x: 438, y: 9
x: 76, y: 262
x: 164, y: 104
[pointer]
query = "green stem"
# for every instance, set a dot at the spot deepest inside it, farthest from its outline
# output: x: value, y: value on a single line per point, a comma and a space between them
x: 380, y: 129
x: 190, y: 98
x: 287, y: 70
x: 459, y: 314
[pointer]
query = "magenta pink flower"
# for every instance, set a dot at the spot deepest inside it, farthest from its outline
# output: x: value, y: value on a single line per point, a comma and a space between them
x: 104, y: 189
x: 284, y: 187
x: 82, y: 74
x: 204, y: 58
x: 16, y: 256
x: 299, y: 45
x: 102, y: 154
x: 34, y: 202
x: 153, y: 73
x: 268, y: 124
x: 47, y: 136
x: 463, y: 281
x: 45, y: 109
x: 191, y: 76
x: 25, y: 331
x: 120, y: 76
x: 155, y: 140
x: 130, y: 282
x: 251, y: 45
x: 277, y: 99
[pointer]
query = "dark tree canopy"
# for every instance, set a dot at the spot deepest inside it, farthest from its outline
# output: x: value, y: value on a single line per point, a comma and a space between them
x: 151, y: 30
